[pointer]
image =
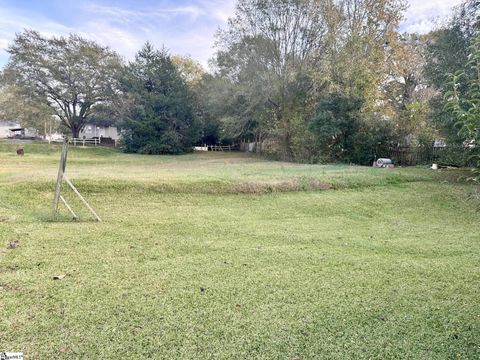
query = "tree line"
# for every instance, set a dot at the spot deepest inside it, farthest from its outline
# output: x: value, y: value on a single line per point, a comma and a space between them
x: 306, y: 80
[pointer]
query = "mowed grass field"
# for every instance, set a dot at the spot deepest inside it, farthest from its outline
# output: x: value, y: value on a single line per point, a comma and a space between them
x: 226, y: 256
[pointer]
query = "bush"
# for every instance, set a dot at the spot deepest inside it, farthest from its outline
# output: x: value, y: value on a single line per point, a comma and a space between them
x: 372, y: 140
x: 457, y: 155
x: 344, y: 134
x: 335, y: 125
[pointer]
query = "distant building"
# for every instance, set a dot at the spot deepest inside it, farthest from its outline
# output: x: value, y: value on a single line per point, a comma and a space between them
x: 103, y: 129
x: 11, y: 129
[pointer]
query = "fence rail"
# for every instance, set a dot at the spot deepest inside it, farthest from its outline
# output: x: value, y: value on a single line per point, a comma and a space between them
x: 85, y: 142
x: 222, y: 147
x: 413, y: 155
x: 216, y: 148
x: 81, y: 142
x: 455, y: 155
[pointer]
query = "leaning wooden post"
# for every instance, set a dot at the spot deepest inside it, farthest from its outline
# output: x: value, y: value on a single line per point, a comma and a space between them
x: 87, y: 205
x: 75, y: 217
x: 61, y: 172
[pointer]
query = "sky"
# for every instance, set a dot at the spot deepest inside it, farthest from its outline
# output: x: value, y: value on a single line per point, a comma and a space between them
x: 185, y: 27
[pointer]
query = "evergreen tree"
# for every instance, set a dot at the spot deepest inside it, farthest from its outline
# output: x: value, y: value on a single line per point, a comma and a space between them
x: 161, y: 116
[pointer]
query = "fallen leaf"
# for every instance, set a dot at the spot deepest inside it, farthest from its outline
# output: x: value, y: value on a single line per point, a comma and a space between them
x: 5, y: 287
x: 14, y: 244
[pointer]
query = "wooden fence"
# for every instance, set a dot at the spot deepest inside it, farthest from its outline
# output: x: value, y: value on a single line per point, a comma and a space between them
x: 89, y: 142
x: 407, y: 155
x: 458, y: 155
x: 85, y: 142
x: 216, y: 148
x: 223, y: 147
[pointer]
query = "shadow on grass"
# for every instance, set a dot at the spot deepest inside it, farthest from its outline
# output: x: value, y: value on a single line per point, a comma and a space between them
x: 50, y: 217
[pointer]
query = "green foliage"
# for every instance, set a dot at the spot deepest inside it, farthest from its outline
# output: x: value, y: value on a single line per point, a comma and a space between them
x: 31, y: 112
x: 413, y: 126
x: 464, y: 101
x: 450, y: 68
x: 373, y: 139
x: 447, y: 53
x: 457, y: 155
x: 280, y: 59
x: 161, y: 117
x: 344, y: 133
x: 303, y: 142
x: 217, y: 96
x: 335, y: 125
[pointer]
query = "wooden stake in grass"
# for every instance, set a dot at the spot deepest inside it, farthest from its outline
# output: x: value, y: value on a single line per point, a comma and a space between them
x: 75, y: 217
x: 61, y: 175
x: 61, y: 172
x: 87, y: 205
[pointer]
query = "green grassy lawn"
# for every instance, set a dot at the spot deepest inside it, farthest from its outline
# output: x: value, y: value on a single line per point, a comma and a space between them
x: 213, y: 255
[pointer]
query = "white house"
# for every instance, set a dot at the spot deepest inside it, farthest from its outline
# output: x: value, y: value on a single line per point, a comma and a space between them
x: 91, y: 131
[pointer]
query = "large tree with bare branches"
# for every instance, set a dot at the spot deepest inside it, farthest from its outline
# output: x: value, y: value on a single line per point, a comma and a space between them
x: 73, y: 75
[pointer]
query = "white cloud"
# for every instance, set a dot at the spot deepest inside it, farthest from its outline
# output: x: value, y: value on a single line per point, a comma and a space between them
x: 184, y: 29
x: 124, y: 42
x: 187, y: 29
x: 129, y: 15
x: 219, y: 9
x: 12, y: 23
x: 4, y: 43
x: 422, y: 15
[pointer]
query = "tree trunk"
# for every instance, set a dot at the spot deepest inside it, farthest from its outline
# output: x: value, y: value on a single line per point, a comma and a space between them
x: 75, y: 131
x: 77, y: 125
